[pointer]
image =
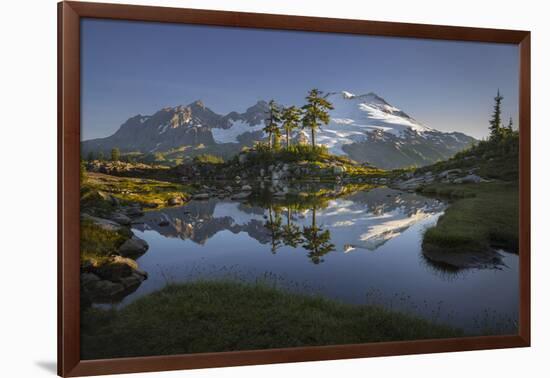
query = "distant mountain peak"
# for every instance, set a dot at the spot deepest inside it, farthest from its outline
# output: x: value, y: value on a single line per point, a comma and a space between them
x: 198, y: 103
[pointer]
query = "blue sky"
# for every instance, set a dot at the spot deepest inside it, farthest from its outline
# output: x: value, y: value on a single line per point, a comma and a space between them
x: 131, y: 68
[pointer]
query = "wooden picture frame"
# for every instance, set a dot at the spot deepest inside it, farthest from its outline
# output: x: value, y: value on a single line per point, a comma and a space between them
x: 69, y: 16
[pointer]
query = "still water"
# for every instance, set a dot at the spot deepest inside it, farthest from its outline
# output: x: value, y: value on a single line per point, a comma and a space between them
x: 361, y: 248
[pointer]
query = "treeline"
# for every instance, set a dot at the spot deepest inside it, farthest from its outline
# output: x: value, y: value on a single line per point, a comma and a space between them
x: 133, y: 157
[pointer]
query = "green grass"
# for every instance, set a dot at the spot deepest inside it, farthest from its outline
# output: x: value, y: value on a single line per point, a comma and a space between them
x: 97, y: 243
x: 484, y: 215
x: 214, y: 316
x: 208, y: 159
x: 134, y: 190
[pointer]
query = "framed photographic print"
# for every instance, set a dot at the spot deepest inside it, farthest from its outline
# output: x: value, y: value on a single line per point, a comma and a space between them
x: 239, y: 188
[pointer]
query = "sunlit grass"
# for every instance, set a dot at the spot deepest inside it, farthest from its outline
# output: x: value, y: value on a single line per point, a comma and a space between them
x: 143, y: 191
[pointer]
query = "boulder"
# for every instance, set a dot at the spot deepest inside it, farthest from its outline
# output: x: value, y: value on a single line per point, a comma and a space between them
x: 471, y: 179
x: 121, y: 218
x: 88, y: 280
x: 133, y: 247
x: 163, y: 223
x: 132, y: 281
x: 106, y: 224
x: 246, y: 188
x: 107, y: 289
x: 118, y: 267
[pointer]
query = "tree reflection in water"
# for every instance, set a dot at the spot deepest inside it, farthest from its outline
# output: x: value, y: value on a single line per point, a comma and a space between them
x: 312, y: 238
x: 274, y: 225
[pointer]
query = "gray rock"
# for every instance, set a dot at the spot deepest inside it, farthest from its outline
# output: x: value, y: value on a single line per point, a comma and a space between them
x: 88, y: 280
x: 241, y: 195
x: 115, y: 269
x: 246, y: 188
x: 106, y: 224
x: 201, y: 196
x: 121, y: 218
x: 133, y: 247
x: 106, y: 288
x: 133, y: 280
x: 471, y: 179
x: 449, y: 172
x: 411, y: 184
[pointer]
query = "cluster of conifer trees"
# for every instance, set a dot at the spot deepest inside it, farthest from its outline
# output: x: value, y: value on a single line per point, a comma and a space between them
x: 285, y: 120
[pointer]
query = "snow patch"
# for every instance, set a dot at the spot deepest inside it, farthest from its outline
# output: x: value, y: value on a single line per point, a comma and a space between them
x: 237, y: 128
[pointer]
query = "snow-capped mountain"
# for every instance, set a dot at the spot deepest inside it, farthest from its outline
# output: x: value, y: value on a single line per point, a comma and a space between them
x: 364, y: 127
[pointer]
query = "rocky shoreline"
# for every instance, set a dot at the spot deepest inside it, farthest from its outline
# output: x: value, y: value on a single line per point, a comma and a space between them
x: 119, y: 275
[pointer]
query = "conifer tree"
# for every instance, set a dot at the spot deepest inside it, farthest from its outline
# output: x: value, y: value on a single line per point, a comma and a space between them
x: 496, y: 121
x: 316, y: 112
x: 291, y: 120
x: 510, y: 126
x: 115, y: 154
x: 272, y: 123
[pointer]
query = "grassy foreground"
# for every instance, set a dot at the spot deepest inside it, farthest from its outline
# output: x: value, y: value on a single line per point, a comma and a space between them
x: 214, y: 316
x: 484, y: 215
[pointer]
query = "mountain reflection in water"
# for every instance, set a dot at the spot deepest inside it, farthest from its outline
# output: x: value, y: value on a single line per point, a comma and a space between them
x: 363, y: 220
